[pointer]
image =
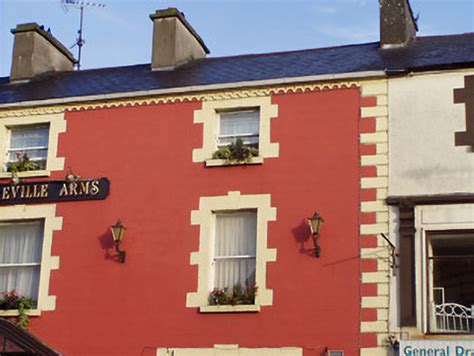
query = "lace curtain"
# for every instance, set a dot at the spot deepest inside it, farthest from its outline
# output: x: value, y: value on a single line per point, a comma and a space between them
x: 30, y: 140
x: 243, y: 124
x: 20, y: 257
x: 235, y: 248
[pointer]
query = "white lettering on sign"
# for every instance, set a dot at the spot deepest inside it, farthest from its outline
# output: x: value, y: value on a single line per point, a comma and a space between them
x: 436, y: 348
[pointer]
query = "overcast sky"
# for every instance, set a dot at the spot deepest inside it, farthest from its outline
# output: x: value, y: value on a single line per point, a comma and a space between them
x: 120, y: 33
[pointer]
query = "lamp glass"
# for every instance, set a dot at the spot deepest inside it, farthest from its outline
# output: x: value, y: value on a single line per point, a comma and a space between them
x: 315, y: 223
x: 118, y: 230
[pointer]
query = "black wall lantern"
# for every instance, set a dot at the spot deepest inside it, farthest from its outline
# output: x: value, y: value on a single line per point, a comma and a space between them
x: 315, y: 223
x: 118, y: 231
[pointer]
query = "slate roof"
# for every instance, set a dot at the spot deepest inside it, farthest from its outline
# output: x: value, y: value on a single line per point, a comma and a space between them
x: 426, y: 53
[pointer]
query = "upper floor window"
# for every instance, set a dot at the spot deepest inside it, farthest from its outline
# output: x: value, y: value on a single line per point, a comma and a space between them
x: 28, y: 148
x: 21, y: 245
x: 29, y: 145
x: 244, y: 125
x: 235, y: 249
x: 450, y: 266
x: 236, y: 131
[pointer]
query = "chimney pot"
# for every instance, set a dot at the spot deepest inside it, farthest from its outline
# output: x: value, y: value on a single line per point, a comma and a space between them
x: 175, y: 42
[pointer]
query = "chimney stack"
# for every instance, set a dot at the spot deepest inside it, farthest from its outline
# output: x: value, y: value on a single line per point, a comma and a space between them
x: 36, y: 51
x: 174, y: 40
x: 397, y: 24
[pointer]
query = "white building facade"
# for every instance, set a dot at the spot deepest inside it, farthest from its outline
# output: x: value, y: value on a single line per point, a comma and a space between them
x: 431, y: 208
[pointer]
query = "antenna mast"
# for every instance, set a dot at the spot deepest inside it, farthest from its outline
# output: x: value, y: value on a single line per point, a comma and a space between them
x: 79, y: 4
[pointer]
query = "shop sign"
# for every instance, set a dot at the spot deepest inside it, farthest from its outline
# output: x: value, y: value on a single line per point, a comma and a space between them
x: 436, y: 348
x: 54, y: 191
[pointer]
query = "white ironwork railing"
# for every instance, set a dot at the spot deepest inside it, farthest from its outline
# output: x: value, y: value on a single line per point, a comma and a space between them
x: 452, y: 318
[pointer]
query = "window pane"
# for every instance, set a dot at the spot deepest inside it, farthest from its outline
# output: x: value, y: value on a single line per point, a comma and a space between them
x: 236, y: 234
x: 25, y: 280
x: 29, y: 137
x: 21, y: 243
x: 451, y: 278
x: 242, y: 122
x: 235, y: 270
x: 34, y: 155
x: 247, y: 140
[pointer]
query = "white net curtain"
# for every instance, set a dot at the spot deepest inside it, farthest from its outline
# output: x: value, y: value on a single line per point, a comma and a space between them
x: 242, y: 124
x: 235, y: 249
x: 20, y: 257
x: 30, y: 140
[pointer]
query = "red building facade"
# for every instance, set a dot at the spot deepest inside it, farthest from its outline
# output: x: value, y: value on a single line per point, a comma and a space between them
x: 158, y: 188
x: 213, y: 166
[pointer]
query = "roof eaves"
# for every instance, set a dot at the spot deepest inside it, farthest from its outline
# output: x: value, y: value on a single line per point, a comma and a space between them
x: 199, y: 88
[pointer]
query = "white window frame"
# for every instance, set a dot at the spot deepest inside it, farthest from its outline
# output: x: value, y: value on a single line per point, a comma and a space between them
x: 431, y: 218
x: 205, y: 217
x: 213, y: 242
x: 237, y: 136
x: 24, y: 264
x: 47, y: 213
x: 429, y: 234
x: 57, y: 125
x: 209, y: 117
x: 21, y: 150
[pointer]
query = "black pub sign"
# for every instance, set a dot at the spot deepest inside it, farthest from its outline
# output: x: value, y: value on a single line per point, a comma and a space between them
x: 54, y: 191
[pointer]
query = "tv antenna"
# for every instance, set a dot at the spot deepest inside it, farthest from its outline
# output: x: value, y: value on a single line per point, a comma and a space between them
x: 81, y: 5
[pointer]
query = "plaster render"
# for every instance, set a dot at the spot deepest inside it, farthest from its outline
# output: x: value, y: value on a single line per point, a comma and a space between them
x: 160, y: 238
x: 423, y: 120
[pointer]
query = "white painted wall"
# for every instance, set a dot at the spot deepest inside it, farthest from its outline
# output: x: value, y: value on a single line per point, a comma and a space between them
x: 423, y: 160
x: 422, y: 122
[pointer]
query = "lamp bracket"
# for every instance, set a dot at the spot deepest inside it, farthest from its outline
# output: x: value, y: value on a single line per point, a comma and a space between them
x: 121, y: 254
x: 393, y: 255
x: 317, y: 248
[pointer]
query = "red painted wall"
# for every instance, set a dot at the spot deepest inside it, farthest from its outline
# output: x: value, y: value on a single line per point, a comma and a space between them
x: 107, y: 308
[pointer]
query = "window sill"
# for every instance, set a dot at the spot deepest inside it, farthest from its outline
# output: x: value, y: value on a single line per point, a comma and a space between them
x: 14, y: 312
x: 223, y: 162
x: 27, y: 174
x: 230, y: 309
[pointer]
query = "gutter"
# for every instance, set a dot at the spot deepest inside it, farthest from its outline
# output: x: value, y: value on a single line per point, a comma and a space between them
x: 200, y: 88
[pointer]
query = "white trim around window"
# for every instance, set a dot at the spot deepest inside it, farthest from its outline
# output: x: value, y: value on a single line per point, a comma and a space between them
x: 209, y: 115
x: 57, y: 125
x: 51, y: 223
x: 205, y: 217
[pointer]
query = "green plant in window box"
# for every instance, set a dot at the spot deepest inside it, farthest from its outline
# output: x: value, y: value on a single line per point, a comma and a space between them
x: 236, y: 152
x: 23, y: 164
x: 237, y: 296
x: 11, y: 301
